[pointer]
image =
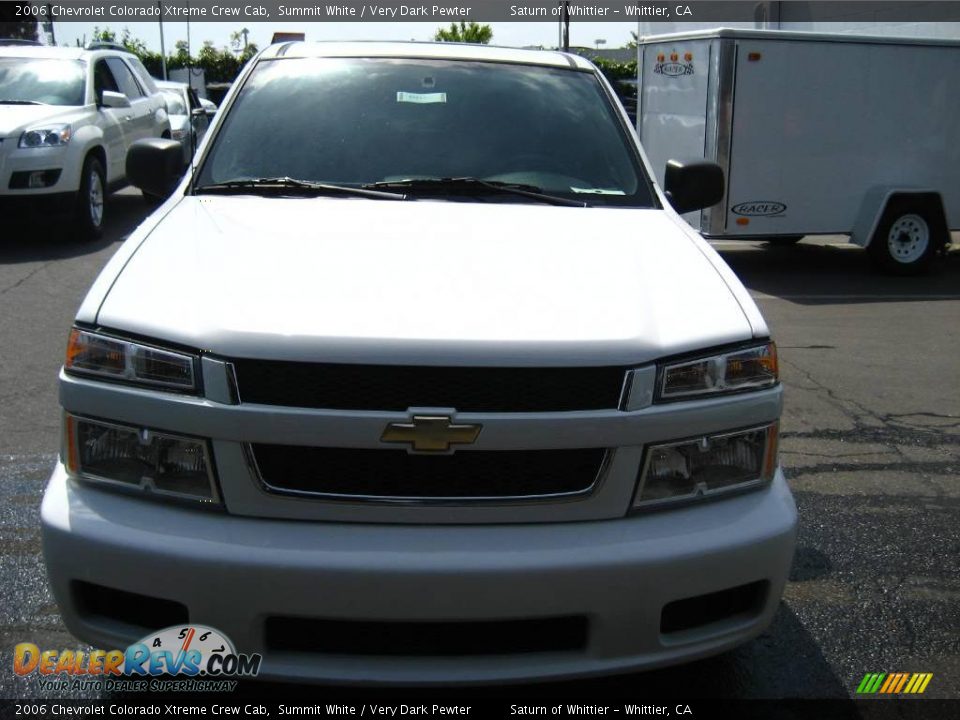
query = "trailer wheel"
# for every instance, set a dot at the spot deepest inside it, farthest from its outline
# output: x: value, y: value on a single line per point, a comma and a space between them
x: 904, y: 242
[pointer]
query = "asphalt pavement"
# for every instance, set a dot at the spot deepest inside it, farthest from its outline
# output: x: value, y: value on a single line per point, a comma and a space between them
x: 870, y: 445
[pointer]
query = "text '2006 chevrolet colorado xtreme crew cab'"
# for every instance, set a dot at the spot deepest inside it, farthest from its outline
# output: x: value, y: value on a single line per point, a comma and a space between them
x: 418, y: 376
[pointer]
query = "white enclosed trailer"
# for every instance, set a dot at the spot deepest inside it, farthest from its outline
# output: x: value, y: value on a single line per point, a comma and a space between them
x: 816, y: 134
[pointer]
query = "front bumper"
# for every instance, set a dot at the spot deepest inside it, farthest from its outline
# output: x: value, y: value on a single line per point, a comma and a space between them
x: 234, y: 573
x: 64, y: 161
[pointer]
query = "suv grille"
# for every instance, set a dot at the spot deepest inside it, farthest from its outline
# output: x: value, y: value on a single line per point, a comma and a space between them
x: 399, y: 387
x: 397, y: 474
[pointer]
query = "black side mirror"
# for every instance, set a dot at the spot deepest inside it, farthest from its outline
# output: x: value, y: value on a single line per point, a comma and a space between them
x: 693, y: 184
x: 155, y: 165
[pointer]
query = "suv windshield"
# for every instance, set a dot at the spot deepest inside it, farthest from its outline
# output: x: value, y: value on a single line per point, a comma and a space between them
x: 45, y: 82
x: 350, y: 121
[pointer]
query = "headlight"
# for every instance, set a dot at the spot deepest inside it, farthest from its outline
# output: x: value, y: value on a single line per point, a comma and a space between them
x: 111, y: 358
x: 707, y: 466
x: 746, y: 369
x: 139, y: 458
x: 47, y: 136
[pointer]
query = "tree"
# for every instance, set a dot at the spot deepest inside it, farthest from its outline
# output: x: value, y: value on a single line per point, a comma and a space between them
x: 616, y: 70
x: 465, y: 32
x: 248, y: 52
x: 11, y: 28
x: 239, y: 40
x: 133, y: 44
x: 634, y: 39
x: 218, y: 64
x: 106, y: 35
x: 181, y: 58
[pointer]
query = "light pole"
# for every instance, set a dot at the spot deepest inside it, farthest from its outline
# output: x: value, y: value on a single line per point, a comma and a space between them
x: 163, y: 49
x: 565, y: 25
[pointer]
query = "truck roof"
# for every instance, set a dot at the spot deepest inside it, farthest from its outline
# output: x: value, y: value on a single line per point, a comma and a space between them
x: 53, y: 52
x: 754, y: 34
x: 440, y: 50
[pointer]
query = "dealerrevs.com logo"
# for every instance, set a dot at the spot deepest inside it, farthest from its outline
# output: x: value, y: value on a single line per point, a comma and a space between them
x: 192, y: 657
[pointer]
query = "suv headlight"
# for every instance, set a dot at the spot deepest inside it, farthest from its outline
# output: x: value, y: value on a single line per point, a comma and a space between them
x: 46, y: 136
x: 150, y: 461
x: 707, y: 466
x: 110, y: 358
x: 749, y: 368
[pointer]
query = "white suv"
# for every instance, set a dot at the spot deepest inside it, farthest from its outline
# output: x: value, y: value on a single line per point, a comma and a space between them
x: 67, y: 118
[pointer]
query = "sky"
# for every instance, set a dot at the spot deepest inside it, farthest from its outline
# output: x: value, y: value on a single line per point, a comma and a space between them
x: 518, y: 34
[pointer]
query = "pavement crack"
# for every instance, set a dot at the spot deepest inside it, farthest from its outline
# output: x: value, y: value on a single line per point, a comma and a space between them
x: 26, y: 277
x: 835, y: 455
x: 946, y: 468
x: 858, y: 411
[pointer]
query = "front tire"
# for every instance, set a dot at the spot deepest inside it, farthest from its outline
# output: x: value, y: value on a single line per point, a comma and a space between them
x: 904, y: 242
x: 89, y: 212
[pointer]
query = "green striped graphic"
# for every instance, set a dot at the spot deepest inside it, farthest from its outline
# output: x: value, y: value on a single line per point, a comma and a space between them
x: 870, y: 683
x: 896, y: 683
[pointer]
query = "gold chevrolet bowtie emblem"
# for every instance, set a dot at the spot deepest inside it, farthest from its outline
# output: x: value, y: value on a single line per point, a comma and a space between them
x: 430, y: 433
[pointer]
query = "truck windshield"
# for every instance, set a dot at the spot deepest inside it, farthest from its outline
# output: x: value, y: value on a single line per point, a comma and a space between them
x: 41, y: 82
x: 356, y: 122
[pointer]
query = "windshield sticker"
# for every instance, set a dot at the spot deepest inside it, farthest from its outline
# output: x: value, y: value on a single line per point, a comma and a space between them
x: 597, y: 191
x: 421, y: 98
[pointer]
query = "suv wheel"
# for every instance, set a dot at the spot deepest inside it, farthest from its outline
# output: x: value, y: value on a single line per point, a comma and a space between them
x: 90, y: 200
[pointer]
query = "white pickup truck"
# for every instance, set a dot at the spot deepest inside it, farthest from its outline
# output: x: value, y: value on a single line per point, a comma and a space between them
x: 419, y: 377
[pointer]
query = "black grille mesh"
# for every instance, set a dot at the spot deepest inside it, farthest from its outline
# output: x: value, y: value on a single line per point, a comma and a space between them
x: 397, y: 473
x: 398, y: 387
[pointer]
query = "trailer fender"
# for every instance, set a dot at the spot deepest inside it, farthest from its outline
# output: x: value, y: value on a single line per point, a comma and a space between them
x: 875, y: 203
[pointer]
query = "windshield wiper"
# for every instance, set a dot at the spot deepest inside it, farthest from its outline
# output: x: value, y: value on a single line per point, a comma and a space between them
x: 286, y: 185
x: 20, y: 102
x: 472, y: 186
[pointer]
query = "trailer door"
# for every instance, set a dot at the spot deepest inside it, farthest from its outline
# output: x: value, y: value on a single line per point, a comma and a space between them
x: 802, y: 150
x: 674, y: 83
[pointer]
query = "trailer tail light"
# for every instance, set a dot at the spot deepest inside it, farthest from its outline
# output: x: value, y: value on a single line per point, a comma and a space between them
x: 743, y: 221
x: 754, y: 56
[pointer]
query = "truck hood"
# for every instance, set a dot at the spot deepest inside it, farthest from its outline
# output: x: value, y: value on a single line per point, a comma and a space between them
x: 426, y: 282
x: 14, y: 119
